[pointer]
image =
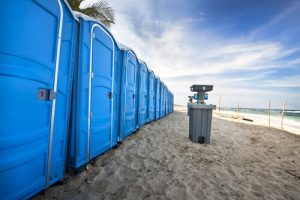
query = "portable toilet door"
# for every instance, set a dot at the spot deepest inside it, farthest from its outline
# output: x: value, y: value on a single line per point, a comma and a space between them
x: 151, y: 102
x: 93, y: 115
x: 37, y: 42
x: 154, y: 96
x: 162, y: 99
x: 143, y: 94
x: 172, y: 103
x: 167, y: 101
x: 128, y: 107
x: 157, y: 100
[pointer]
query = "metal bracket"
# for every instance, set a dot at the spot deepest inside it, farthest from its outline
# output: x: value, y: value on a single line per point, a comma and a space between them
x: 52, y: 95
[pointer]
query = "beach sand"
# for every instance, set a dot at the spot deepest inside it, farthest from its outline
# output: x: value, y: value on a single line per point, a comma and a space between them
x: 160, y: 162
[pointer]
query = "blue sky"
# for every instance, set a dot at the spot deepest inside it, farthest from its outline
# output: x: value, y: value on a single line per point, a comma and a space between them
x: 249, y: 50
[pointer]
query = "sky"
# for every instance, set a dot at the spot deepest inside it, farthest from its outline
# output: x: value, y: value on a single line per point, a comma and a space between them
x: 249, y: 50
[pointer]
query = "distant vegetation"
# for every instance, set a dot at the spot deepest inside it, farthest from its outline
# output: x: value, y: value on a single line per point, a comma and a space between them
x: 99, y: 10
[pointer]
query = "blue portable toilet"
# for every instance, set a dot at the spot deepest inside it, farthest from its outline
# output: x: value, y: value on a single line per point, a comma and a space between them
x: 128, y: 94
x: 172, y: 102
x: 151, y: 98
x: 167, y: 101
x: 36, y: 61
x: 162, y: 100
x: 94, y: 110
x: 142, y: 93
x: 158, y: 98
x: 155, y: 92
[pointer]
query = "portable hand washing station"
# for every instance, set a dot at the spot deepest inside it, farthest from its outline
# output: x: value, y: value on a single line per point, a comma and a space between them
x: 200, y: 115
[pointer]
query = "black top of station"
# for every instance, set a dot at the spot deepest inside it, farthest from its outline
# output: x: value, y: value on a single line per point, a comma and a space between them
x: 201, y: 88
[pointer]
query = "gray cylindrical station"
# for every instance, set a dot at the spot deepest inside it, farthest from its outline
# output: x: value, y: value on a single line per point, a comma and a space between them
x: 200, y: 115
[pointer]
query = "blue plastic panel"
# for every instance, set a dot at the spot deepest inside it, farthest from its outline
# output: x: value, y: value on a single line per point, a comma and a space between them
x: 158, y: 95
x: 151, y: 99
x: 116, y: 94
x: 101, y: 94
x: 128, y: 107
x: 167, y: 102
x: 163, y: 101
x: 63, y: 96
x: 143, y: 94
x: 92, y: 131
x: 154, y: 95
x: 29, y: 47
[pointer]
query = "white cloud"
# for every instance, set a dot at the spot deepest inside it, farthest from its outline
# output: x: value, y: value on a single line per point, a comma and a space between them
x: 292, y: 81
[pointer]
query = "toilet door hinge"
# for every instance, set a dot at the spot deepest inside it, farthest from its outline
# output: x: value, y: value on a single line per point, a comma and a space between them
x: 91, y: 114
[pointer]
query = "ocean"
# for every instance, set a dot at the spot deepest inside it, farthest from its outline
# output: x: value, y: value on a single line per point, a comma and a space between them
x: 292, y: 115
x: 291, y: 120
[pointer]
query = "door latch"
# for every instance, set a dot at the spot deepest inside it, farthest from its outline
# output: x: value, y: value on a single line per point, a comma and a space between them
x: 133, y: 96
x: 109, y: 95
x: 46, y: 94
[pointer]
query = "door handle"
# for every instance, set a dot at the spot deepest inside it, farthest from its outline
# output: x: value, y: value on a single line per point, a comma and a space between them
x: 109, y: 95
x: 45, y: 94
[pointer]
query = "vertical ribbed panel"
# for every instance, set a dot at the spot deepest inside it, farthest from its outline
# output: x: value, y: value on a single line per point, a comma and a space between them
x: 199, y: 124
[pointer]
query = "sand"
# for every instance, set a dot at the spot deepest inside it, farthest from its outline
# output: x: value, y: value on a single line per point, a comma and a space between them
x: 159, y: 162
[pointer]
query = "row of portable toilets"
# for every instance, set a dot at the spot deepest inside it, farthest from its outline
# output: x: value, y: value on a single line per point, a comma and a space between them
x: 69, y: 92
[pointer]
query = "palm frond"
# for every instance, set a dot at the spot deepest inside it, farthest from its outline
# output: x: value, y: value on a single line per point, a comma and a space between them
x: 104, y: 8
x: 100, y: 10
x: 75, y: 4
